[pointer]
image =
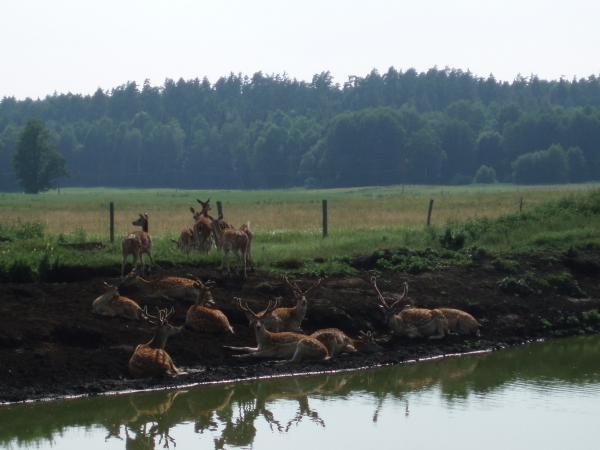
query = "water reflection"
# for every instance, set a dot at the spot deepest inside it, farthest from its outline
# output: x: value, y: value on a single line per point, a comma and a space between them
x: 234, y: 415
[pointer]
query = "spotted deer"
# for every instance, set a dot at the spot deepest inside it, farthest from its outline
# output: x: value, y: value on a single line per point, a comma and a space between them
x: 412, y: 322
x: 112, y: 304
x: 206, y: 320
x: 202, y: 228
x: 292, y: 346
x: 336, y: 341
x: 185, y: 242
x: 151, y: 359
x: 245, y: 228
x: 137, y: 243
x: 171, y: 288
x: 460, y: 322
x: 235, y: 241
x: 290, y: 319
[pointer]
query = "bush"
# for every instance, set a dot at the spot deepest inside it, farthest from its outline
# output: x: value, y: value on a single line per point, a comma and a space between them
x: 485, y: 175
x: 452, y: 238
x: 565, y: 285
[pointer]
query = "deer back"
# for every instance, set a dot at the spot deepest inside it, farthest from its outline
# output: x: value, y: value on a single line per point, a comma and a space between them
x: 335, y: 340
x: 460, y: 322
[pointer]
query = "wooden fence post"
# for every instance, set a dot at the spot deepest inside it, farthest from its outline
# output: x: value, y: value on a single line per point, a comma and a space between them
x: 324, y: 218
x: 521, y: 205
x: 219, y: 208
x: 112, y: 222
x: 429, y: 213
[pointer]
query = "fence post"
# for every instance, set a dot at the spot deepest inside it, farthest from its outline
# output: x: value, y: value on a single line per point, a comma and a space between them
x: 324, y: 218
x: 112, y: 222
x: 429, y: 213
x: 219, y: 208
x: 521, y: 205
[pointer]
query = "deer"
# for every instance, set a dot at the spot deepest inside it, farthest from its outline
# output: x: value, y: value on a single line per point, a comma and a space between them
x: 412, y: 322
x: 151, y: 359
x: 203, y: 319
x: 202, y: 228
x: 185, y: 240
x: 290, y: 319
x: 137, y: 243
x: 231, y: 240
x: 292, y: 346
x: 245, y: 228
x: 459, y: 322
x: 170, y: 288
x: 336, y: 341
x: 112, y: 304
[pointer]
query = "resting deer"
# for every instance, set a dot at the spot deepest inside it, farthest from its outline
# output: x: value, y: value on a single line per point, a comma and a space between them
x: 172, y: 288
x: 112, y: 304
x: 412, y: 322
x: 230, y: 240
x: 151, y: 359
x: 292, y: 346
x: 206, y: 320
x: 245, y: 228
x: 186, y: 238
x: 336, y: 341
x: 460, y: 322
x: 290, y: 319
x: 202, y: 228
x: 137, y: 243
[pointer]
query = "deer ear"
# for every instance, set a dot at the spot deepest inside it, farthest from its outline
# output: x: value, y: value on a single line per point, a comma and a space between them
x: 192, y: 210
x: 146, y: 215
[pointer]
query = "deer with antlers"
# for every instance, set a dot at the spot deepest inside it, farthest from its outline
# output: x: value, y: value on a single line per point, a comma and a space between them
x: 412, y: 322
x: 112, y: 304
x: 292, y: 346
x: 459, y: 322
x: 151, y: 359
x: 203, y: 319
x: 290, y: 319
x: 231, y: 240
x: 336, y: 341
x: 186, y: 239
x: 202, y: 228
x: 137, y: 243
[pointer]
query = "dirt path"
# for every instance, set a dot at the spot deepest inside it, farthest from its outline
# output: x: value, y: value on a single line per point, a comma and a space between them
x: 51, y: 345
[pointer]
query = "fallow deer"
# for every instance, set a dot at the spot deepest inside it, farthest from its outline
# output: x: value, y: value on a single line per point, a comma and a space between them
x: 171, y: 288
x: 245, y: 228
x: 290, y: 319
x: 112, y: 304
x: 206, y: 320
x: 292, y: 346
x: 460, y: 322
x: 336, y: 341
x: 151, y: 359
x: 186, y: 238
x: 202, y: 228
x: 223, y: 225
x: 412, y: 322
x: 137, y: 243
x: 231, y: 240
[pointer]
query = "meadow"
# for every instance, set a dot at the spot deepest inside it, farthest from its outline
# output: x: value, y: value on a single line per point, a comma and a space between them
x: 288, y: 223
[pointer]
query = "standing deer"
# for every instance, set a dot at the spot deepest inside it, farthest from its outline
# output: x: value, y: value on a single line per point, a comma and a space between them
x: 202, y: 228
x: 171, y: 288
x: 185, y: 240
x: 206, y: 320
x: 245, y: 228
x: 336, y: 341
x: 112, y: 304
x: 231, y: 240
x: 151, y: 359
x: 292, y: 346
x: 290, y: 319
x: 137, y: 243
x: 412, y: 322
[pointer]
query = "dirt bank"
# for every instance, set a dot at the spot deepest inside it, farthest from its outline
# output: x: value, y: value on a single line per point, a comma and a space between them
x: 51, y: 345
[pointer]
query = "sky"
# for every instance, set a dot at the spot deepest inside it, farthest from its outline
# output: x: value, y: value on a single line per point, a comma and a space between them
x: 79, y: 46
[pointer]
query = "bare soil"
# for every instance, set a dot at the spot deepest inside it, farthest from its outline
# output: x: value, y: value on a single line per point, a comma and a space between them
x: 51, y: 345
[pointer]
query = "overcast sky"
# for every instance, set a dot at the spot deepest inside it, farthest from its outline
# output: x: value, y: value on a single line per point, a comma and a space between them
x: 79, y: 45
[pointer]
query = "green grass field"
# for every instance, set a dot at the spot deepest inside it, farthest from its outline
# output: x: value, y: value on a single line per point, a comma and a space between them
x: 287, y: 224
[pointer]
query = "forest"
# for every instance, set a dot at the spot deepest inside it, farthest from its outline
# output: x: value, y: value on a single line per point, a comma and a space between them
x: 443, y: 126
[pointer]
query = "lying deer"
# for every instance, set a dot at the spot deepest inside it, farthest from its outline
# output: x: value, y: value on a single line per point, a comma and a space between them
x: 290, y: 319
x: 171, y: 288
x: 459, y: 322
x: 206, y: 320
x: 186, y: 239
x: 412, y: 322
x: 151, y: 359
x: 112, y: 304
x: 336, y: 341
x: 137, y: 243
x: 202, y: 228
x: 231, y: 240
x: 292, y: 346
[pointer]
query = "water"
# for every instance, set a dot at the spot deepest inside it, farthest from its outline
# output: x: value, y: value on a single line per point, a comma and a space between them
x: 543, y: 395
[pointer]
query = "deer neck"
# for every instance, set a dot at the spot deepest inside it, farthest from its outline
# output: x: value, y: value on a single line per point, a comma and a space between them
x: 159, y: 340
x: 201, y: 299
x: 263, y: 337
x: 299, y: 311
x: 104, y: 298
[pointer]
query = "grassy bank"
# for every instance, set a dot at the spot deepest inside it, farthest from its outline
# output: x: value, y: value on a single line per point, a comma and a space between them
x: 287, y: 227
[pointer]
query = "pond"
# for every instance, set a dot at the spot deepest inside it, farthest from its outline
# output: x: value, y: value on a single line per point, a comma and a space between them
x: 541, y: 395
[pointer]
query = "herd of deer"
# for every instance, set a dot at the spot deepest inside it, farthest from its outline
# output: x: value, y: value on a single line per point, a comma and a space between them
x: 278, y: 330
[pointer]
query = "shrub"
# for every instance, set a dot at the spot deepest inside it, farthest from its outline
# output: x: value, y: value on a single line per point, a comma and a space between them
x: 452, y: 238
x: 505, y: 265
x: 485, y: 175
x: 512, y: 285
x: 565, y: 285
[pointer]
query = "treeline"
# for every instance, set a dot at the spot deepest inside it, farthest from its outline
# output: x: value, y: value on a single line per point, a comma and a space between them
x: 270, y: 131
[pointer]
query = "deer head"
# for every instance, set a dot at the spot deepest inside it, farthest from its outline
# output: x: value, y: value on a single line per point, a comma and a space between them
x: 201, y: 290
x: 388, y: 310
x: 205, y: 206
x: 160, y: 325
x: 303, y: 296
x: 256, y: 321
x: 141, y: 221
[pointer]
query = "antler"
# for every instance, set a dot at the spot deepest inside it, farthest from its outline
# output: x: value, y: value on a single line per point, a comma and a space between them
x: 365, y: 337
x: 381, y: 298
x: 292, y: 286
x: 297, y: 290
